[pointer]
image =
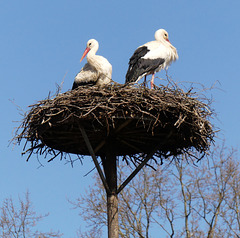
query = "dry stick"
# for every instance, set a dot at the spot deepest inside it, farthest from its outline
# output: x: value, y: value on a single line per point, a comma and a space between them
x: 90, y: 149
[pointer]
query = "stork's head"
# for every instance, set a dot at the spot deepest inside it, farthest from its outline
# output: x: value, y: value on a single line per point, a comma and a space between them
x: 93, y: 45
x: 161, y: 34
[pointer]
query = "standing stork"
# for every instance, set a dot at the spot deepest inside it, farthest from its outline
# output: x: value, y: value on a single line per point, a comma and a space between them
x: 98, y: 71
x: 151, y: 58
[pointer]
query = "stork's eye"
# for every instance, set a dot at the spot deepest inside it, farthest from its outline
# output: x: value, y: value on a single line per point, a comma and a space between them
x: 90, y: 44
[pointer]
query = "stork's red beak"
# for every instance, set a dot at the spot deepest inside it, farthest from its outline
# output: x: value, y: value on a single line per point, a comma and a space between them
x: 84, y: 53
x: 168, y: 40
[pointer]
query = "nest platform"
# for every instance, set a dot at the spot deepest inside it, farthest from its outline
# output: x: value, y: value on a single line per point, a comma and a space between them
x: 134, y: 119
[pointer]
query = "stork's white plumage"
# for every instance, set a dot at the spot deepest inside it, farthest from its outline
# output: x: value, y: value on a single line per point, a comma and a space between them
x: 87, y: 76
x: 151, y: 58
x: 98, y: 71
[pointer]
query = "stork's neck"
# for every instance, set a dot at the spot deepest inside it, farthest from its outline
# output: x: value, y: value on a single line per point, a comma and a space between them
x: 91, y: 54
x: 173, y: 51
x: 92, y: 59
x: 167, y: 44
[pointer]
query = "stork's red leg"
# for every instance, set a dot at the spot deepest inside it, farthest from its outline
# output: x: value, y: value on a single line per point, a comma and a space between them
x: 152, y: 80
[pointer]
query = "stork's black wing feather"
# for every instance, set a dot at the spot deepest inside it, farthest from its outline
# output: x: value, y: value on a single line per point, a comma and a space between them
x: 83, y: 83
x: 138, y: 53
x: 139, y: 66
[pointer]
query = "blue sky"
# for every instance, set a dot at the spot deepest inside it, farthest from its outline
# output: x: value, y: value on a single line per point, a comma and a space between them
x: 42, y: 43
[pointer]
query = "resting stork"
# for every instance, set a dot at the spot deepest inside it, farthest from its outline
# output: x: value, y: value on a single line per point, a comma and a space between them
x: 151, y: 58
x: 98, y: 71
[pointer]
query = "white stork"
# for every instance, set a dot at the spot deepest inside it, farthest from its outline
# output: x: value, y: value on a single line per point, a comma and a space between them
x: 151, y: 58
x: 98, y: 71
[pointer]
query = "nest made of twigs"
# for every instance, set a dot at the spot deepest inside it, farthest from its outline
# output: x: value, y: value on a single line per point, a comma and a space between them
x: 134, y: 119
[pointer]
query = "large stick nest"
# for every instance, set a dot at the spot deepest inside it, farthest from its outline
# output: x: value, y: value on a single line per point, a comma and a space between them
x: 134, y: 119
